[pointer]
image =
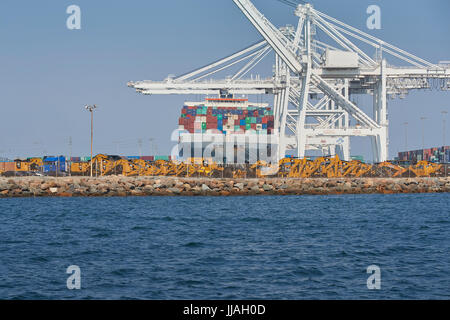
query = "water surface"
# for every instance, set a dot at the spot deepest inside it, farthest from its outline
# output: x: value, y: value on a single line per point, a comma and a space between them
x: 262, y: 247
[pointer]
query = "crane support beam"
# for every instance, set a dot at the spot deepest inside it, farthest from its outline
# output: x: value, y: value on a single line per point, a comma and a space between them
x: 221, y: 61
x: 272, y: 35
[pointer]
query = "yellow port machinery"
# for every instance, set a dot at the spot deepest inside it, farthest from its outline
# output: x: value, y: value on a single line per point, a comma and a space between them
x: 30, y: 164
x: 264, y: 169
x: 321, y: 167
x: 389, y: 169
x: 425, y: 169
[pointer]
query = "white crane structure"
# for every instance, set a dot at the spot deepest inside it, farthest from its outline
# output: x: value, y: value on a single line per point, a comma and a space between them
x: 314, y: 81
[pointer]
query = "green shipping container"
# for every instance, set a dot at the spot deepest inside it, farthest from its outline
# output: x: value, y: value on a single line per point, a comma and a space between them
x: 253, y: 120
x: 166, y: 158
x: 359, y: 158
x: 248, y: 126
x: 203, y: 125
x: 247, y: 120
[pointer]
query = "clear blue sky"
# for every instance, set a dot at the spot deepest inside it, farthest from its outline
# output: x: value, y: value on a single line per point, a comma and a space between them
x: 48, y: 73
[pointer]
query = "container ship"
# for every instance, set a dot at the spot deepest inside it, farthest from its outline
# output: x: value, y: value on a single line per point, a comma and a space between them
x: 226, y: 129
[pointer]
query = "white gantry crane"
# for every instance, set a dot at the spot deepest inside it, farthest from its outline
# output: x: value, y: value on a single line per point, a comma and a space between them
x: 314, y: 81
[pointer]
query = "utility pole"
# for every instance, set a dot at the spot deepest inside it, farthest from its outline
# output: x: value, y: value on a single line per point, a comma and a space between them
x: 70, y: 156
x: 91, y: 110
x: 423, y: 131
x: 116, y: 143
x: 151, y: 146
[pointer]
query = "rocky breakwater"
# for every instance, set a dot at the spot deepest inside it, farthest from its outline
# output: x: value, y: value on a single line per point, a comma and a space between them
x: 173, y: 186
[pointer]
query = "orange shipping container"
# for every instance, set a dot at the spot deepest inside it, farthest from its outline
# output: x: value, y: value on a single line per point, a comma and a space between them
x: 7, y: 166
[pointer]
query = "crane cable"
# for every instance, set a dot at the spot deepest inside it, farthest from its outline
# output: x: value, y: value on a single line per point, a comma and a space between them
x: 291, y: 3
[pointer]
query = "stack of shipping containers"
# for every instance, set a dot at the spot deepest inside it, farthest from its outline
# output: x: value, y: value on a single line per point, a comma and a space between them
x: 225, y: 117
x: 437, y: 155
x: 226, y: 120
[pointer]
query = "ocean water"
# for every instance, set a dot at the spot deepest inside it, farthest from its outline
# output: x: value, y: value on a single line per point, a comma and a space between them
x: 274, y: 247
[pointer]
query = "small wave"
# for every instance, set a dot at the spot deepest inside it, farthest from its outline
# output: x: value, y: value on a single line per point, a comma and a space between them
x: 252, y: 219
x: 137, y: 228
x: 308, y: 272
x: 40, y: 259
x: 189, y: 282
x: 122, y: 271
x: 193, y: 244
x: 101, y: 235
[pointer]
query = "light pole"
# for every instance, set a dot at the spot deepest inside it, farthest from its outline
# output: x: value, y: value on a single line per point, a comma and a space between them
x: 444, y: 113
x: 423, y: 132
x: 140, y: 147
x: 406, y: 136
x: 91, y: 110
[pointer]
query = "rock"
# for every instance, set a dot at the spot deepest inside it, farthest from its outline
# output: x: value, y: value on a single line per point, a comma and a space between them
x: 187, y: 186
x: 267, y: 187
x: 45, y: 186
x: 135, y: 192
x: 53, y: 190
x: 179, y: 184
x: 240, y: 185
x: 205, y: 188
x: 175, y: 190
x: 4, y: 186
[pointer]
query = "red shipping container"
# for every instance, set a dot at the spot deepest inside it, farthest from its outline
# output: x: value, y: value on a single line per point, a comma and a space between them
x: 253, y: 126
x: 264, y: 120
